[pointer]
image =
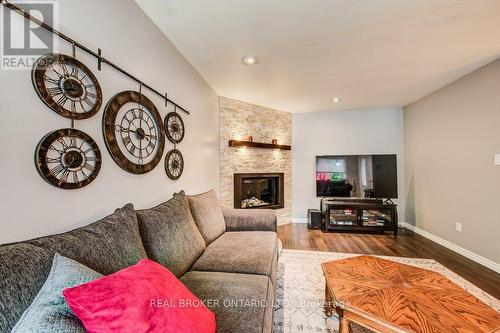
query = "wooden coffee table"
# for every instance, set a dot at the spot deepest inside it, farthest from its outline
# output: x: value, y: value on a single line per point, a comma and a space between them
x: 386, y: 296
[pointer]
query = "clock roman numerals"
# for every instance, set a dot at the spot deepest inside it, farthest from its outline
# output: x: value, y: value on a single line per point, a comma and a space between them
x: 57, y: 170
x: 63, y: 143
x: 65, y: 70
x: 88, y: 166
x: 151, y: 145
x: 131, y: 149
x: 64, y: 176
x: 51, y: 80
x: 88, y: 101
x: 75, y: 176
x: 51, y: 160
x: 54, y: 91
x: 62, y: 100
x: 126, y: 140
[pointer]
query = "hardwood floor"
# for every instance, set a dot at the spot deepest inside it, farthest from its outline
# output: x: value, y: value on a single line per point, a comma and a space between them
x: 406, y: 244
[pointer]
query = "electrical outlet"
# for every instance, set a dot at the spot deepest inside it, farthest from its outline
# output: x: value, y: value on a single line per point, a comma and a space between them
x: 458, y: 226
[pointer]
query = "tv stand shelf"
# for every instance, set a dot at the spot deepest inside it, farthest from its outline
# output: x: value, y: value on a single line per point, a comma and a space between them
x: 345, y: 214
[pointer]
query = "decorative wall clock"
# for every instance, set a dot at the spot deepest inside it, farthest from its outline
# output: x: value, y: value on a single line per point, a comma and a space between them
x: 133, y: 132
x: 174, y: 164
x: 68, y: 158
x: 67, y: 86
x: 174, y: 127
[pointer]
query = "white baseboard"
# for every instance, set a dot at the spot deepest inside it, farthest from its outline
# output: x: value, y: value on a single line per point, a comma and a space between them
x: 455, y: 248
x: 299, y: 220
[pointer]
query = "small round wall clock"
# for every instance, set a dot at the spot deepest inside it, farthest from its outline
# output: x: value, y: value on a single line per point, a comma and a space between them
x: 174, y: 127
x: 67, y: 86
x: 68, y: 158
x: 133, y: 132
x: 174, y: 164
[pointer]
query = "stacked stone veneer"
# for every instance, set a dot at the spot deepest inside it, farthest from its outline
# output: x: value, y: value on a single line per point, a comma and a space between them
x: 239, y: 120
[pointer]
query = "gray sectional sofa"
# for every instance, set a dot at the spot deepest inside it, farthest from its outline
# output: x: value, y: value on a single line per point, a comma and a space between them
x: 226, y: 257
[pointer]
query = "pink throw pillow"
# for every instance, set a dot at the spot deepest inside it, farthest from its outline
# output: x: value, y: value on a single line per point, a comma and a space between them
x: 145, y: 297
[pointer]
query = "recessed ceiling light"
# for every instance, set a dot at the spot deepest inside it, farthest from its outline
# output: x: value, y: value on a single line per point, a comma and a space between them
x: 336, y: 99
x: 250, y: 60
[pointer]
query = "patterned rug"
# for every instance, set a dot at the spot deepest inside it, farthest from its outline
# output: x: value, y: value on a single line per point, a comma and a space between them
x: 300, y: 289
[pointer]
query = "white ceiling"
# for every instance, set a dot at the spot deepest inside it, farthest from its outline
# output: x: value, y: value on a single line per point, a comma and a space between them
x: 372, y: 53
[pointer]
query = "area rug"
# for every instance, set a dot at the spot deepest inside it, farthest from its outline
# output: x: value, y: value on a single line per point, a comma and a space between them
x: 300, y: 289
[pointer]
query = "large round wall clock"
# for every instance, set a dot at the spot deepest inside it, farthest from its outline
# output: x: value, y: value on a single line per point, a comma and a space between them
x: 68, y: 158
x: 174, y: 164
x: 67, y: 86
x: 133, y: 132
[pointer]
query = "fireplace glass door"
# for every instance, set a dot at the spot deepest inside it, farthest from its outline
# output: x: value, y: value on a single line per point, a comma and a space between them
x: 258, y: 191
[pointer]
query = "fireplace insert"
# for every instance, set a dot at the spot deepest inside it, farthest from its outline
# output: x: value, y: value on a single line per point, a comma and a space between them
x: 259, y: 190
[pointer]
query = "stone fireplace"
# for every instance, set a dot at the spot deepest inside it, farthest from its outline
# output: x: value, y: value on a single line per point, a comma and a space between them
x: 259, y: 190
x: 237, y: 121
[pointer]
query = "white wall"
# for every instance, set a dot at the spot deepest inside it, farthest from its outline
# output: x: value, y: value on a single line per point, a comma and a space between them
x: 30, y: 207
x: 451, y: 138
x: 360, y: 132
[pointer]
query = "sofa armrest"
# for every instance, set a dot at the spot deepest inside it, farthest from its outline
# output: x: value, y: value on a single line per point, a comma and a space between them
x: 250, y: 219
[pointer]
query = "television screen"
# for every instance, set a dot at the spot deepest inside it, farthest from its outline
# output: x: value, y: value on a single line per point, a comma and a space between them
x: 357, y: 176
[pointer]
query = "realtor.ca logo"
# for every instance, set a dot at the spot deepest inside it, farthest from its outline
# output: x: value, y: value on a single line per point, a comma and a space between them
x: 23, y: 41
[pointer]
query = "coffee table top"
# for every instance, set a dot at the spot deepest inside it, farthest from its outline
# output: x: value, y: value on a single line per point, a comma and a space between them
x: 405, y: 297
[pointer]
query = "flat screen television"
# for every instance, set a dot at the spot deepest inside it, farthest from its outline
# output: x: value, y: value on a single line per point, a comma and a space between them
x: 360, y: 176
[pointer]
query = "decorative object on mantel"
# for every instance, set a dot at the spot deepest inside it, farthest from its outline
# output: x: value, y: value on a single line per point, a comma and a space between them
x: 68, y: 158
x: 250, y: 138
x: 67, y: 86
x: 97, y: 55
x: 238, y: 143
x: 133, y: 132
x: 274, y: 141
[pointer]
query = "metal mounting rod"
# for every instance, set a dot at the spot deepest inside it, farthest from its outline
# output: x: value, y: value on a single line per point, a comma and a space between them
x: 87, y: 50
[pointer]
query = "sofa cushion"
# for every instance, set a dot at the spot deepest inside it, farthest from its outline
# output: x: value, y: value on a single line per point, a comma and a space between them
x: 105, y: 246
x: 170, y: 235
x: 207, y: 214
x: 49, y: 311
x: 250, y: 219
x: 241, y: 302
x: 23, y: 270
x: 251, y: 252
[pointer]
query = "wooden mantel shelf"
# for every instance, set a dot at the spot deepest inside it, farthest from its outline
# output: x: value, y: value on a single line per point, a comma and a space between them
x: 238, y: 143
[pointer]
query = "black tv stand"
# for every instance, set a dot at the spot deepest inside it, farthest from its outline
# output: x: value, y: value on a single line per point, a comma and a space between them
x: 356, y: 214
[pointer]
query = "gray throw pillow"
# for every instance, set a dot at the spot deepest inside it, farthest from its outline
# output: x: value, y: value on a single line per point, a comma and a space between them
x: 49, y: 311
x: 170, y: 235
x: 207, y: 214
